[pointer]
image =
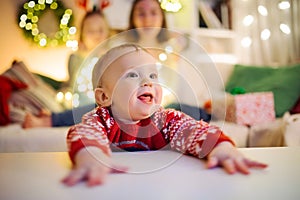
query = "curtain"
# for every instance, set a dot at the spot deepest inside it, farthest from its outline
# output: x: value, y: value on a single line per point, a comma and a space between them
x: 268, y: 31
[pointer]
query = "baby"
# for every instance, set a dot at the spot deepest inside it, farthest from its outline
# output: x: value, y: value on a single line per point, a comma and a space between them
x: 129, y: 117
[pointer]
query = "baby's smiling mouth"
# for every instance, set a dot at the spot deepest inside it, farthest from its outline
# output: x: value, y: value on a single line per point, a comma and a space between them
x: 146, y: 97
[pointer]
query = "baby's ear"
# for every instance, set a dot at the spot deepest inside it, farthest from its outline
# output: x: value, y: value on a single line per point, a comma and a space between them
x: 102, y: 99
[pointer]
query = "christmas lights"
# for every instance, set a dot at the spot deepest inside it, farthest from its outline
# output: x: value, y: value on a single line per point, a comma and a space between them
x: 30, y: 14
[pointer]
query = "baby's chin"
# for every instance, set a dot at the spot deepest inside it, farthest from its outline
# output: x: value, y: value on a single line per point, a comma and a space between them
x: 154, y: 109
x: 147, y: 114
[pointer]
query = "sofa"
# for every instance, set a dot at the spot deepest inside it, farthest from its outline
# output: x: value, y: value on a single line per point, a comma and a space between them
x: 13, y: 138
x: 283, y: 131
x: 284, y: 83
x: 16, y: 102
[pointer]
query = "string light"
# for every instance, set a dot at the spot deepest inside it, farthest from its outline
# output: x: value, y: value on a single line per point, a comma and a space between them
x: 265, y: 34
x: 170, y: 5
x: 285, y: 29
x: 246, y: 42
x: 262, y: 10
x: 248, y: 20
x: 284, y: 5
x: 32, y: 11
x: 83, y: 90
x: 162, y: 57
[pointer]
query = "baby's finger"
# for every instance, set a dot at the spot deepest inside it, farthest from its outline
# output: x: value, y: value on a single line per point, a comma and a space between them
x: 252, y: 164
x: 118, y: 169
x: 97, y: 176
x: 74, y: 177
x: 241, y: 166
x: 229, y: 166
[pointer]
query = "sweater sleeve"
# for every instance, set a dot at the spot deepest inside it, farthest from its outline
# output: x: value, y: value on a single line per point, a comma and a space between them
x: 193, y: 137
x: 88, y: 133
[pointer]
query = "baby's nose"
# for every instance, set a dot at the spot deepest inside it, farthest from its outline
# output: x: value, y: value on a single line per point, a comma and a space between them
x: 146, y: 82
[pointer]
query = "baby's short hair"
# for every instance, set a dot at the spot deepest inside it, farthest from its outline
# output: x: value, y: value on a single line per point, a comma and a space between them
x: 109, y: 57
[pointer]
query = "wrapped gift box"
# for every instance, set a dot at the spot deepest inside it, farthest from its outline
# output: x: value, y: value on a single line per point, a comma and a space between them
x: 251, y: 108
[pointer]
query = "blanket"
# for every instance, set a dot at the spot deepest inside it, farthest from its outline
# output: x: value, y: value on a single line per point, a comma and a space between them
x: 8, y: 85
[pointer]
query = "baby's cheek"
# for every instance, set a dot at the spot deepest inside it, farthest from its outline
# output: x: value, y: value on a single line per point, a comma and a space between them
x: 158, y: 96
x: 126, y: 93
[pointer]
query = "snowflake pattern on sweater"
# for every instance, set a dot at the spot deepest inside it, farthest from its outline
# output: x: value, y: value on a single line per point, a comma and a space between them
x: 166, y: 128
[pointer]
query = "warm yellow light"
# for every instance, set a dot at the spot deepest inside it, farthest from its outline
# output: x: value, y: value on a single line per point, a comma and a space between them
x: 43, y: 42
x: 53, y: 5
x: 82, y: 87
x: 248, y: 20
x: 262, y: 10
x: 72, y: 30
x: 31, y: 4
x: 265, y: 34
x: 75, y: 103
x: 23, y: 17
x: 284, y: 5
x: 60, y: 96
x: 42, y: 7
x: 64, y: 21
x: 28, y: 26
x: 169, y: 49
x: 79, y: 80
x: 35, y: 31
x: 34, y: 19
x: 163, y: 57
x: 22, y: 24
x: 69, y: 12
x: 285, y: 29
x: 246, y: 42
x: 68, y: 96
x: 49, y: 1
x: 171, y: 5
x: 73, y: 44
x: 90, y: 94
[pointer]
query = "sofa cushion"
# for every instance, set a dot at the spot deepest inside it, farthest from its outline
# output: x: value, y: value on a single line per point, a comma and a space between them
x: 269, y: 134
x: 282, y: 81
x: 39, y: 95
x: 238, y: 133
x: 292, y: 126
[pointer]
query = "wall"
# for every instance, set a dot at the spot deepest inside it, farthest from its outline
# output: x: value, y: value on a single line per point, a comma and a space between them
x: 53, y: 61
x: 49, y: 61
x: 268, y: 32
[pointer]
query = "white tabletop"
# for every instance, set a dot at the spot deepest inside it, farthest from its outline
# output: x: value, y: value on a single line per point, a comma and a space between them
x: 153, y: 175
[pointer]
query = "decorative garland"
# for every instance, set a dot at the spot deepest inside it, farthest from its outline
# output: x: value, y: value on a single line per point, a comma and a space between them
x: 30, y: 13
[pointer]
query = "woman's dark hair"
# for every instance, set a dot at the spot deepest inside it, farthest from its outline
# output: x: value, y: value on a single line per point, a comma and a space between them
x: 161, y: 37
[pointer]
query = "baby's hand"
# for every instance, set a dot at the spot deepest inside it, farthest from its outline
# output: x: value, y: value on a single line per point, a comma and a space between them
x: 93, y: 166
x: 227, y: 156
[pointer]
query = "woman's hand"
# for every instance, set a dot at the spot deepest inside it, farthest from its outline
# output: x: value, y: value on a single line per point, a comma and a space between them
x: 92, y: 166
x: 227, y: 156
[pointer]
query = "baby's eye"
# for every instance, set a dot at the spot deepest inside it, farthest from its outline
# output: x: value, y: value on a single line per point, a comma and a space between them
x: 132, y: 75
x: 153, y: 76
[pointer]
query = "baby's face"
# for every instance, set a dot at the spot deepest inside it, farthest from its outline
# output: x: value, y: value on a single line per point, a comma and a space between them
x: 132, y: 84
